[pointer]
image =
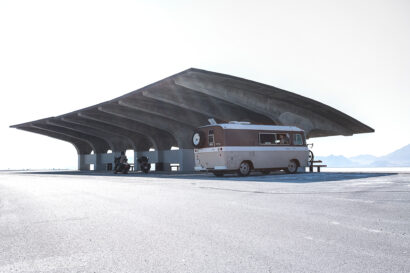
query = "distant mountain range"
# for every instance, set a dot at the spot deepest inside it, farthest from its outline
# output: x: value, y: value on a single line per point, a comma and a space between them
x: 399, y: 158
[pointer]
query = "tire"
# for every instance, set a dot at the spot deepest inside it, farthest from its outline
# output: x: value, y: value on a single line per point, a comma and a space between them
x: 218, y: 174
x: 292, y: 167
x: 311, y: 157
x: 198, y: 138
x: 145, y: 167
x: 244, y: 168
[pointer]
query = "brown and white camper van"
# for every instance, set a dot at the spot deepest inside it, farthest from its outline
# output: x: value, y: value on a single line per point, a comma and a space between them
x: 243, y: 147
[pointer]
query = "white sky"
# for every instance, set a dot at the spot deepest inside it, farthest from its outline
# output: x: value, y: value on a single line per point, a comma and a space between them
x: 60, y: 56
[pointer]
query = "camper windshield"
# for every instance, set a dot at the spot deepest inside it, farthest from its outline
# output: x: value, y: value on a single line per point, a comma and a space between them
x: 297, y: 139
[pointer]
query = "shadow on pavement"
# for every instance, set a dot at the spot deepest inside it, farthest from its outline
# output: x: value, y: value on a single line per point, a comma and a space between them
x: 278, y: 177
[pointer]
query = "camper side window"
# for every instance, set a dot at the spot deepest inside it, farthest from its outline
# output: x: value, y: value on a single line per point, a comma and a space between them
x: 267, y: 139
x: 211, y: 137
x: 297, y: 139
x: 282, y: 139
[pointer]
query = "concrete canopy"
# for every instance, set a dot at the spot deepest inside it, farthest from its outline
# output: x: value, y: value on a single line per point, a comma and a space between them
x: 165, y: 113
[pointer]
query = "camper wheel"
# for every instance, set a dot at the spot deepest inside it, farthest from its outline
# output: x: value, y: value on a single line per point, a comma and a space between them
x: 292, y: 166
x: 244, y: 168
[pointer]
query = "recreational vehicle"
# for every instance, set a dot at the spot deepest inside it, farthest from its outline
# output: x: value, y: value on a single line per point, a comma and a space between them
x: 243, y: 147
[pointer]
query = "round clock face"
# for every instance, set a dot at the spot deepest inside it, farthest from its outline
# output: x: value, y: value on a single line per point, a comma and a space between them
x: 196, y: 138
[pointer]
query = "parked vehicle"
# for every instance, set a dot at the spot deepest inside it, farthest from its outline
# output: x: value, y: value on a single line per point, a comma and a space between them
x: 144, y: 165
x: 243, y: 147
x: 121, y: 167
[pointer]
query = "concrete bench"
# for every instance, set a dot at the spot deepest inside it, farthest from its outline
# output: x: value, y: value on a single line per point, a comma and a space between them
x: 317, y: 167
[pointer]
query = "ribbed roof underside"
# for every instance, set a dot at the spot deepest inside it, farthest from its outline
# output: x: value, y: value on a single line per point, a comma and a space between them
x: 165, y: 113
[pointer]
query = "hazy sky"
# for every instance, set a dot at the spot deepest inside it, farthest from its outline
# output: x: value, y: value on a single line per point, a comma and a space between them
x: 60, y: 56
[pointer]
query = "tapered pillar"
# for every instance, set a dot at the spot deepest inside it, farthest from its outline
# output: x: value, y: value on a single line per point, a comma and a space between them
x: 186, y: 160
x: 136, y: 165
x: 161, y: 165
x: 82, y: 166
x: 98, y: 163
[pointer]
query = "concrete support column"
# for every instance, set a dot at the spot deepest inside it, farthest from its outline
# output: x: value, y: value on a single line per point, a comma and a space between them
x: 114, y: 154
x: 186, y: 160
x: 105, y: 159
x: 136, y: 165
x: 98, y: 164
x: 82, y: 166
x: 161, y: 165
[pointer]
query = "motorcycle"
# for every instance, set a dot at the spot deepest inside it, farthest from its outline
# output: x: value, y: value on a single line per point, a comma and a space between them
x: 144, y: 165
x: 121, y: 167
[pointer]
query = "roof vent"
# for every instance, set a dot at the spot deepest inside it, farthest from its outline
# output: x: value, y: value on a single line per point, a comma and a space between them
x: 212, y: 121
x: 240, y: 122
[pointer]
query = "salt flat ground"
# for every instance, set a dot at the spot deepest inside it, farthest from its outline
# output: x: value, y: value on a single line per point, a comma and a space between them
x: 320, y: 222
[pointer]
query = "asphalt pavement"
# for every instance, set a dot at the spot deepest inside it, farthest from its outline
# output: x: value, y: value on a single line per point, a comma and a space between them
x: 96, y: 222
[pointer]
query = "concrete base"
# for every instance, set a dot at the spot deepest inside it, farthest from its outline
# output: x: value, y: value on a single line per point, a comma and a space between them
x: 99, y: 161
x: 162, y: 159
x: 161, y: 166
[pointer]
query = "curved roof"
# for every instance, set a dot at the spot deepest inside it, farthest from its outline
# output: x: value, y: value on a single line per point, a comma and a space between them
x: 165, y: 113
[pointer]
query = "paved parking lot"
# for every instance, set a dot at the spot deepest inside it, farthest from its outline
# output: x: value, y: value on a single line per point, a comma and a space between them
x: 320, y: 222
